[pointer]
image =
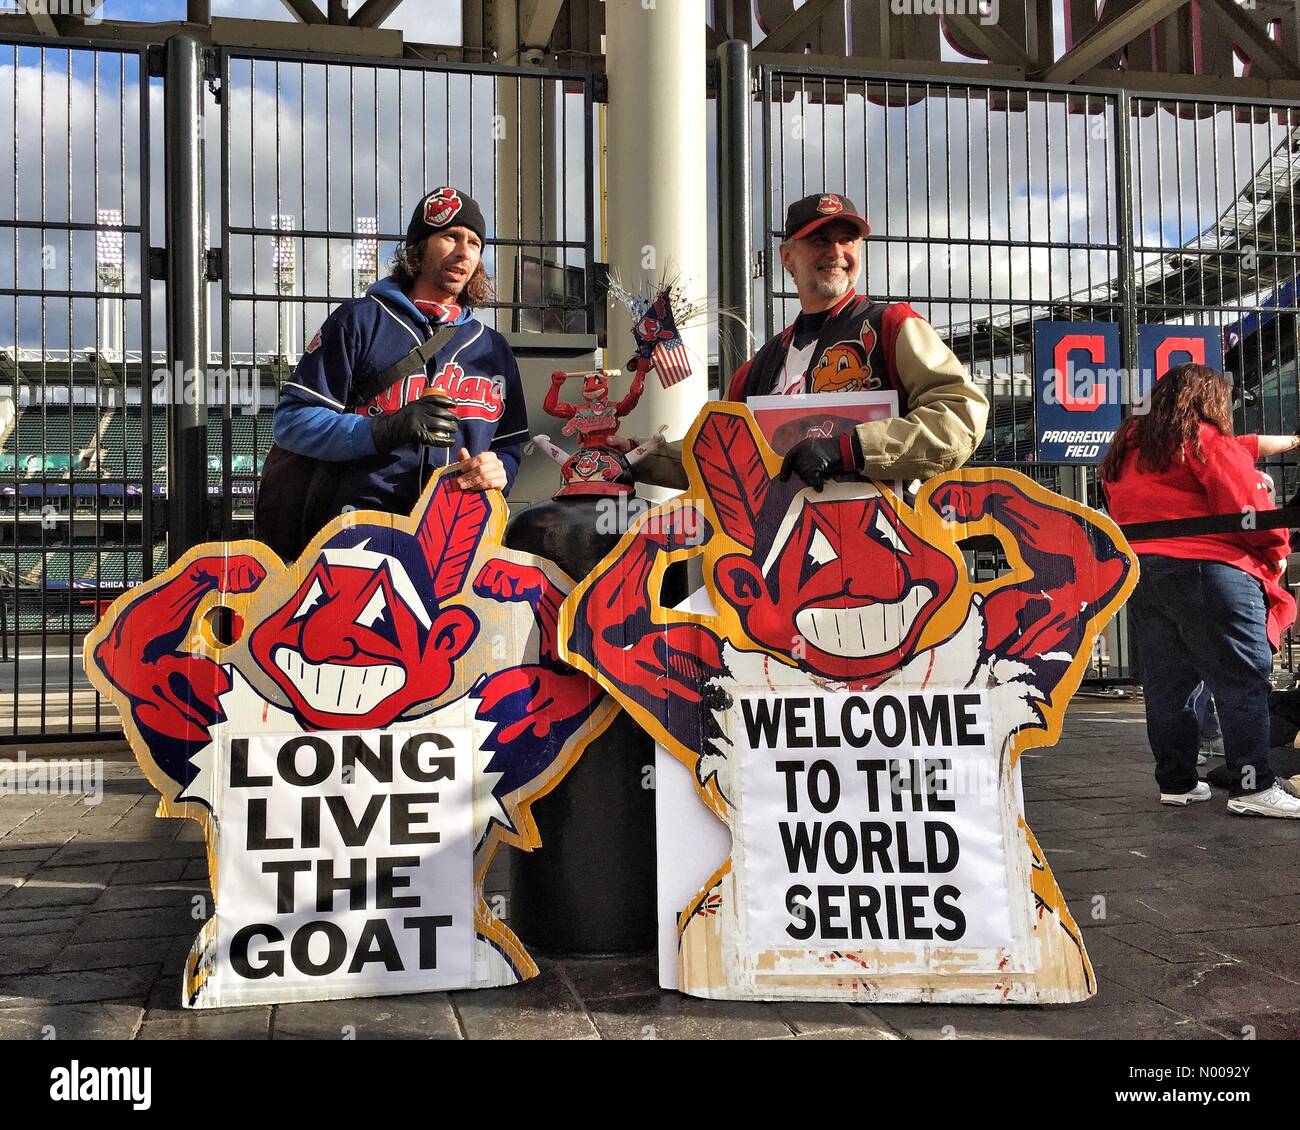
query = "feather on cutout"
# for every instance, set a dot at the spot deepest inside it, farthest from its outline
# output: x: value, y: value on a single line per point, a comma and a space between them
x: 734, y: 474
x: 449, y: 534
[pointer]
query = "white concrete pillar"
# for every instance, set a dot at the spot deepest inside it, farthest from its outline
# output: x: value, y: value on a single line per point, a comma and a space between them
x: 526, y: 188
x: 656, y: 202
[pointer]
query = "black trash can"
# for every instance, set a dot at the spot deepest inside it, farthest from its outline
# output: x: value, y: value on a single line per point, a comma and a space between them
x: 590, y: 888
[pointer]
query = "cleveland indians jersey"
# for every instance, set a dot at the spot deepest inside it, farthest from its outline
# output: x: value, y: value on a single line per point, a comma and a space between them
x: 367, y: 335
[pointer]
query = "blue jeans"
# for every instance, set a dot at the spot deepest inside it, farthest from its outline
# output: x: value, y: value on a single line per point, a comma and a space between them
x: 1203, y: 621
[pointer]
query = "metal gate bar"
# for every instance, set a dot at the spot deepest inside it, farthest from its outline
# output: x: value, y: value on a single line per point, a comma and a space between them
x: 75, y: 348
x: 1075, y: 228
x: 74, y: 534
x: 313, y: 202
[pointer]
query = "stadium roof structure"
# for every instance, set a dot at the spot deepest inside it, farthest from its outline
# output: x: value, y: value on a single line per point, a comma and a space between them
x: 1168, y: 45
x: 1230, y: 263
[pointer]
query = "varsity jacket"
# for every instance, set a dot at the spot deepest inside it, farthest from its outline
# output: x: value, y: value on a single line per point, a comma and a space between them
x: 318, y: 415
x: 864, y: 346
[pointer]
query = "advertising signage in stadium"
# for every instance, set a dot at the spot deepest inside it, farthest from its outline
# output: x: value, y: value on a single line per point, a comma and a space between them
x: 1082, y: 388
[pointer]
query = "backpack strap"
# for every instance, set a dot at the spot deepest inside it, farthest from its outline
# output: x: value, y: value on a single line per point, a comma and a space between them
x: 417, y: 361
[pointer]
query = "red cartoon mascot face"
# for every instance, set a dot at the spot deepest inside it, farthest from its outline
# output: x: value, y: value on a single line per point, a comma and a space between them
x: 595, y: 387
x: 588, y: 464
x: 830, y: 205
x: 441, y: 206
x: 358, y: 642
x: 373, y: 630
x: 838, y: 580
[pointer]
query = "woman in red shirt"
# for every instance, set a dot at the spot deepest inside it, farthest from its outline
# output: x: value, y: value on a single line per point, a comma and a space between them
x: 1207, y: 607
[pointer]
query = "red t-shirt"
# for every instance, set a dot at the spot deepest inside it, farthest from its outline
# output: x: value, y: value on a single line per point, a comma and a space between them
x: 1223, y: 480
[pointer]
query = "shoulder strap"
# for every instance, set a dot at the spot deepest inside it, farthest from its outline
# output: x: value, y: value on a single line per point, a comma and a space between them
x: 417, y: 361
x: 760, y: 377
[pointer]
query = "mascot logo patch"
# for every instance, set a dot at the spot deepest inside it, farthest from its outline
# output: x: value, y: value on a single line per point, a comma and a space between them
x: 830, y: 206
x: 440, y: 207
x: 404, y: 673
x: 843, y: 368
x: 846, y: 365
x: 853, y: 706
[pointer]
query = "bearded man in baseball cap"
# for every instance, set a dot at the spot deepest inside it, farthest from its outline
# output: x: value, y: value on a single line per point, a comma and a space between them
x: 396, y: 384
x: 843, y: 341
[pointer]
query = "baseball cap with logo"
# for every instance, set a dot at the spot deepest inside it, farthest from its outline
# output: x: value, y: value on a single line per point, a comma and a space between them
x: 445, y: 208
x: 805, y: 216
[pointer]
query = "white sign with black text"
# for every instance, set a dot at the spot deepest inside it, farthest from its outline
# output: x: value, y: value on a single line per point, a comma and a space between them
x: 346, y: 865
x: 870, y: 819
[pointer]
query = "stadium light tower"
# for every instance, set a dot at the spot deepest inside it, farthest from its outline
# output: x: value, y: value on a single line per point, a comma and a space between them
x: 285, y: 261
x: 110, y: 244
x: 366, y: 255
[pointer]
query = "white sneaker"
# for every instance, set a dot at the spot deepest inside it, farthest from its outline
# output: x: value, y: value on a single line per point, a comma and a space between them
x: 1281, y: 798
x: 1201, y: 792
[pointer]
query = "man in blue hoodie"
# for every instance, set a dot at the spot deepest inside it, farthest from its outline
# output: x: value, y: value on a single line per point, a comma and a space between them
x: 375, y: 443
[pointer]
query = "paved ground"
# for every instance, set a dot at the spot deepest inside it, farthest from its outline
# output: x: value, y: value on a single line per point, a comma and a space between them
x: 1192, y: 918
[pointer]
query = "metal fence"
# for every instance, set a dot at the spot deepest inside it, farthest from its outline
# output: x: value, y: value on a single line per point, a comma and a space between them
x: 76, y: 515
x: 993, y: 206
x: 997, y: 205
x: 320, y: 164
x: 311, y: 167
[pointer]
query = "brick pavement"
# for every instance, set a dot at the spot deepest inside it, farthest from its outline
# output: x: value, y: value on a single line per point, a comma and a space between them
x: 1191, y: 916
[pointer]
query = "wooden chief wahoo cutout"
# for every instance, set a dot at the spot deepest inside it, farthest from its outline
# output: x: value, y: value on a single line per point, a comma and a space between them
x: 853, y: 707
x: 390, y: 705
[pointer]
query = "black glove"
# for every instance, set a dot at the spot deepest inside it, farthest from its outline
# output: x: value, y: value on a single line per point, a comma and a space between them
x: 431, y: 420
x: 816, y: 460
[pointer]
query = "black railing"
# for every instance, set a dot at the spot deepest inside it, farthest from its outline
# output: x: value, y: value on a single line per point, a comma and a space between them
x: 997, y: 205
x: 312, y: 165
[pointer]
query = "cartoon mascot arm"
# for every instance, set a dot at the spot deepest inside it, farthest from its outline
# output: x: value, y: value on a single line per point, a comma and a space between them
x: 508, y: 581
x: 534, y: 700
x: 552, y: 405
x: 670, y: 670
x: 624, y: 406
x: 174, y: 695
x: 1076, y: 569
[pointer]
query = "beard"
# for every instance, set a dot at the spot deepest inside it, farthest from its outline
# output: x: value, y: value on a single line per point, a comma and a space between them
x: 829, y: 282
x: 451, y: 285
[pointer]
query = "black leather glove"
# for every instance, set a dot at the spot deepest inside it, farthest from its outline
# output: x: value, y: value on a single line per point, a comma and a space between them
x: 431, y: 420
x: 816, y: 460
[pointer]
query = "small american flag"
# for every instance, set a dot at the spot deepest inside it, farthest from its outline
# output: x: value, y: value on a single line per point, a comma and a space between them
x: 658, y: 340
x: 672, y: 363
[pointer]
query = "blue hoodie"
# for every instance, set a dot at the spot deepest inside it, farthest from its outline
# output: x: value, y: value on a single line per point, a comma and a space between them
x: 318, y: 415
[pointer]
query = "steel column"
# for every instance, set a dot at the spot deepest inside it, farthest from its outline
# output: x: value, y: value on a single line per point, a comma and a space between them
x: 187, y: 322
x: 735, y: 209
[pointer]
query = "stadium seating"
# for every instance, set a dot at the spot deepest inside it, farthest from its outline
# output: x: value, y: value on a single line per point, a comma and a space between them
x: 51, y: 431
x: 58, y: 586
